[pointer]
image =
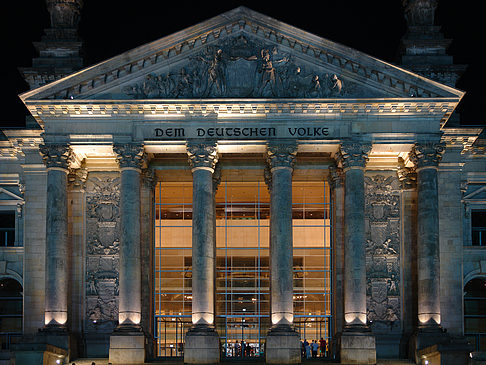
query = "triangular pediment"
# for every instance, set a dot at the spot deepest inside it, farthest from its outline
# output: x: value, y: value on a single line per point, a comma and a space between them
x: 8, y: 195
x: 242, y: 54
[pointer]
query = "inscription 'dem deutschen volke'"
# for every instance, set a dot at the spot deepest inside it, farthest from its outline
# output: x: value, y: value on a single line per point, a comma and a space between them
x: 242, y: 132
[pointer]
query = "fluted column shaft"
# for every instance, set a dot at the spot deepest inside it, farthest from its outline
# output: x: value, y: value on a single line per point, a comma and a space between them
x: 426, y: 157
x: 203, y: 158
x: 56, y: 158
x: 130, y: 159
x: 281, y: 159
x: 353, y: 158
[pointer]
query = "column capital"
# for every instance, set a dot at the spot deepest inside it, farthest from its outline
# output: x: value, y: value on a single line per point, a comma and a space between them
x: 335, y: 177
x: 149, y: 180
x: 202, y: 155
x: 427, y: 154
x: 353, y: 154
x: 129, y: 155
x: 77, y: 178
x: 56, y: 156
x: 216, y: 178
x: 281, y: 154
x: 406, y: 175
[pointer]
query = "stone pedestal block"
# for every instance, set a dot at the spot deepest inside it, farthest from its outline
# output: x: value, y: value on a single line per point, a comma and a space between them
x: 424, y: 338
x: 127, y: 348
x: 454, y: 352
x: 439, y: 348
x: 358, y: 348
x: 42, y: 349
x: 283, y: 347
x: 202, y: 346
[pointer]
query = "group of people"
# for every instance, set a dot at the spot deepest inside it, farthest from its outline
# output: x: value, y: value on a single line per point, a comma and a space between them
x: 243, y: 349
x: 314, y: 349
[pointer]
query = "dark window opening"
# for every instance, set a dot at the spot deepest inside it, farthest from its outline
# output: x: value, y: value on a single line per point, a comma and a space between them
x: 10, y: 312
x: 7, y: 228
x: 475, y: 313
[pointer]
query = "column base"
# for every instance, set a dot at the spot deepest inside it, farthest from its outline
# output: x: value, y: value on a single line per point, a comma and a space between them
x: 202, y: 345
x: 127, y: 345
x: 357, y: 346
x: 282, y: 346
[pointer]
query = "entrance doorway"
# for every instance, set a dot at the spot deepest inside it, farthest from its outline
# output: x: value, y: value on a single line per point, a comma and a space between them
x: 243, y: 337
x: 242, y: 264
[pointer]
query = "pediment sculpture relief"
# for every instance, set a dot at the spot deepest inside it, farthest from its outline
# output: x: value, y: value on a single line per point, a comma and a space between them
x: 241, y: 68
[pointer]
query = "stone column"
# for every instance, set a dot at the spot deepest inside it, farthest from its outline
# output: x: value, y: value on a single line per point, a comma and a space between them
x: 127, y: 342
x: 408, y: 228
x: 202, y: 340
x: 426, y: 157
x: 357, y: 342
x: 57, y: 158
x: 336, y: 182
x: 77, y: 228
x: 282, y: 344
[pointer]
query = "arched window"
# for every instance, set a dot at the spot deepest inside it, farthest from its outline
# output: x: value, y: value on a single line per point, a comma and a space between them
x: 10, y: 312
x: 475, y: 313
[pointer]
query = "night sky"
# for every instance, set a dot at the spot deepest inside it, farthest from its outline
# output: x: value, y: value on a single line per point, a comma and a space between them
x: 110, y: 27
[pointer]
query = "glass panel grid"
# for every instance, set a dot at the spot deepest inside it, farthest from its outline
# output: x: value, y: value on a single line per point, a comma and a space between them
x: 242, y: 272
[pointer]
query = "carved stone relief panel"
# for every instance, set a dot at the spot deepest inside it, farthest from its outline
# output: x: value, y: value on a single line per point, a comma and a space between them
x: 243, y: 67
x: 382, y: 214
x: 102, y: 246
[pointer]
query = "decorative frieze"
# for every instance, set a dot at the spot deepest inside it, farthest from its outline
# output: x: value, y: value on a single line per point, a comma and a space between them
x: 129, y: 155
x: 353, y: 154
x: 426, y: 154
x: 281, y: 154
x: 202, y: 154
x: 56, y: 155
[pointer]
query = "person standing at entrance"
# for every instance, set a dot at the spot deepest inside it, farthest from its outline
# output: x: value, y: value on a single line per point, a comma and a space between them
x: 315, y: 348
x: 307, y: 349
x: 237, y: 349
x: 243, y: 348
x: 322, y: 344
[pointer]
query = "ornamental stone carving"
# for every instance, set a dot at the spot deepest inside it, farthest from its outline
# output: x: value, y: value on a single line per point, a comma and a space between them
x: 406, y: 175
x: 420, y: 12
x: 102, y: 251
x: 242, y: 67
x: 281, y: 154
x: 353, y: 154
x: 56, y: 155
x: 129, y: 155
x: 426, y: 154
x: 335, y: 178
x: 202, y: 154
x: 77, y: 178
x: 382, y: 216
x: 64, y: 13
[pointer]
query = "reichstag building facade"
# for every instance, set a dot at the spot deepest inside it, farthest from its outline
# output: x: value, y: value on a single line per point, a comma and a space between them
x: 236, y: 188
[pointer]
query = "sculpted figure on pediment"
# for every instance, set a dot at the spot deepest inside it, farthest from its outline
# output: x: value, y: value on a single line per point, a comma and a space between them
x: 240, y: 67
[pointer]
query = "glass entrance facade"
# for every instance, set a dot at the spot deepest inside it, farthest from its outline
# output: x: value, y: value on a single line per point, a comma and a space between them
x: 242, y: 266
